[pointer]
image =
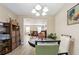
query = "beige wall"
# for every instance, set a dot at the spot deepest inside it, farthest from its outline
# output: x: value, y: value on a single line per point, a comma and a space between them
x: 5, y: 14
x: 50, y: 25
x: 61, y: 26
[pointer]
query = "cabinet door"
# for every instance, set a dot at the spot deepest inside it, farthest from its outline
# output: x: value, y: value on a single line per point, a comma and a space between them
x: 13, y: 43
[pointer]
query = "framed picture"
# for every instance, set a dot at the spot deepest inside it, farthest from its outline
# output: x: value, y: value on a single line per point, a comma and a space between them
x: 73, y: 15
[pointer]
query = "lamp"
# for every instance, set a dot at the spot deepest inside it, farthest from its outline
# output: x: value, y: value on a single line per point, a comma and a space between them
x: 39, y: 10
x: 38, y: 7
x: 45, y: 9
x: 34, y: 11
x: 37, y: 14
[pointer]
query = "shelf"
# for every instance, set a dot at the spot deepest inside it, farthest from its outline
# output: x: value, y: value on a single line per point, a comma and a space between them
x: 4, y: 24
x: 4, y: 33
x: 13, y: 39
x: 5, y: 37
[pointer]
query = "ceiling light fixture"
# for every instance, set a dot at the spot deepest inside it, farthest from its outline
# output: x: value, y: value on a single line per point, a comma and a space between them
x: 37, y: 14
x: 38, y: 7
x: 34, y: 11
x: 45, y: 9
x: 40, y: 10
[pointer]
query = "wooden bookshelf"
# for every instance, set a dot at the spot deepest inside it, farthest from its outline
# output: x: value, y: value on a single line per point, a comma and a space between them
x: 15, y: 34
x: 12, y: 40
x: 5, y: 41
x: 18, y: 36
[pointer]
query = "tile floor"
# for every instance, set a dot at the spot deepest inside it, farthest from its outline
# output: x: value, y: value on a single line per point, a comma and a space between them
x: 24, y: 49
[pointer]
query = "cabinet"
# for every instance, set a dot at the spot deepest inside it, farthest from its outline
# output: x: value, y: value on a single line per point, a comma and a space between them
x: 5, y: 41
x: 15, y: 34
x: 9, y: 36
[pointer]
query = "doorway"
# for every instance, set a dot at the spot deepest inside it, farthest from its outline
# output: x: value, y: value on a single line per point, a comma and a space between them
x: 32, y: 27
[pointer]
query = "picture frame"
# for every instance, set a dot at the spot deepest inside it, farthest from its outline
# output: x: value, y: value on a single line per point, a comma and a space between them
x: 73, y: 15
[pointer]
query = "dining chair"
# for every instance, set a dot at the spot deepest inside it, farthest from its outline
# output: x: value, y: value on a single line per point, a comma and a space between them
x: 47, y: 47
x: 64, y: 44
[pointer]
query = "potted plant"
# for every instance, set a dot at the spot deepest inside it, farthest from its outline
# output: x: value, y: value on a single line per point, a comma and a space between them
x: 52, y: 36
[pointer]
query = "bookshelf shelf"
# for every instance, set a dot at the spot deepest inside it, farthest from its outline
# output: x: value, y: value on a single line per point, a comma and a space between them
x: 9, y: 36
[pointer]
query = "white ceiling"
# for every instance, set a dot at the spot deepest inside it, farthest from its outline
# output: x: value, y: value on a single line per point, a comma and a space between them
x: 26, y: 8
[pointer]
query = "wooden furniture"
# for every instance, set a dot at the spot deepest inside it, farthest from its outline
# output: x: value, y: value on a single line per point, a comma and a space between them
x: 44, y: 33
x: 9, y: 36
x: 5, y: 41
x: 34, y: 33
x: 15, y: 34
